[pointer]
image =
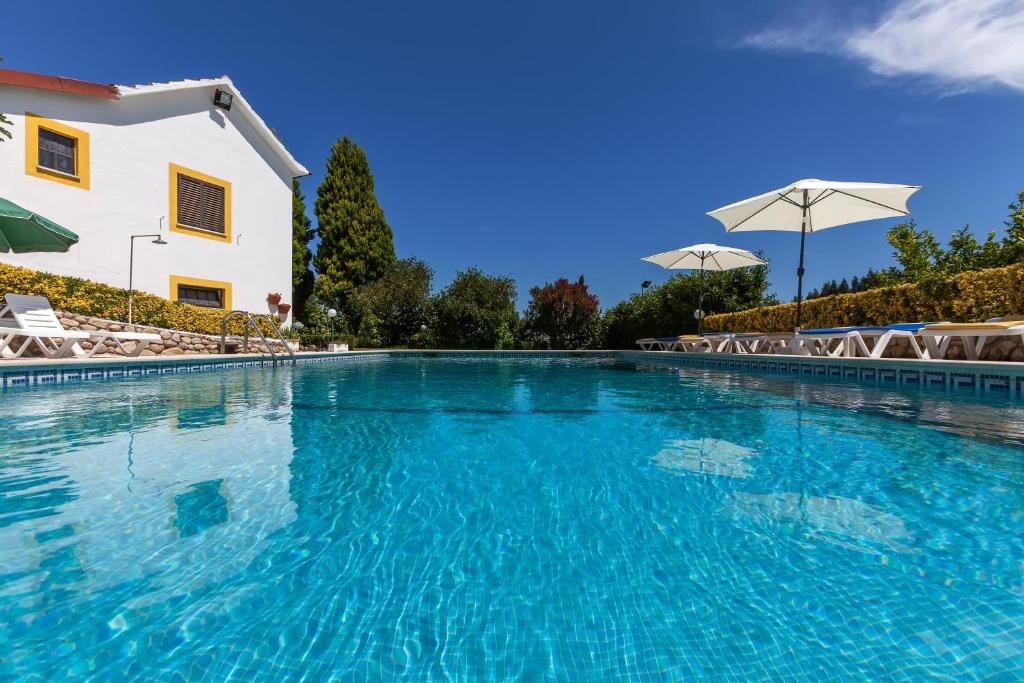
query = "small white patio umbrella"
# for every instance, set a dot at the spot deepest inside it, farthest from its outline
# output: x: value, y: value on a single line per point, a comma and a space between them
x: 704, y: 257
x: 810, y: 205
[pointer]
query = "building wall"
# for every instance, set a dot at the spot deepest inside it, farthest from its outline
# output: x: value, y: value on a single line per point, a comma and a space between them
x: 132, y: 143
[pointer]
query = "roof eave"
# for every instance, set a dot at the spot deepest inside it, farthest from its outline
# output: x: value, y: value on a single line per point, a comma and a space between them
x: 297, y: 170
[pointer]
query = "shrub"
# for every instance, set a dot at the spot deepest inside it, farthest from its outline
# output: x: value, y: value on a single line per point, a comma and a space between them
x: 668, y: 308
x: 562, y: 315
x: 476, y: 311
x: 392, y: 308
x: 968, y: 296
x: 319, y: 339
x: 86, y: 297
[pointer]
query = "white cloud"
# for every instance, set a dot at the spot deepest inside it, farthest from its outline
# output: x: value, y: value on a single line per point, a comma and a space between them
x: 957, y: 44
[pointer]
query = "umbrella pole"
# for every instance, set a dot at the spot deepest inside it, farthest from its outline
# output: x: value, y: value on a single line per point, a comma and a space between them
x: 131, y: 263
x: 700, y: 298
x: 800, y: 268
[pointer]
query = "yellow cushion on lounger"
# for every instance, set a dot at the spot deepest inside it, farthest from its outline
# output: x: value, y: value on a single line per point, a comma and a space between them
x: 690, y: 337
x: 1001, y: 325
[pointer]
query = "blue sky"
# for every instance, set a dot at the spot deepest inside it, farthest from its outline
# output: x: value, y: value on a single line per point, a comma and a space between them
x: 543, y: 139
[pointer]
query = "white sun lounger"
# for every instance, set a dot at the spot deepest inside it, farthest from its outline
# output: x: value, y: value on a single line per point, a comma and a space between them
x: 690, y: 343
x: 851, y: 342
x: 756, y: 342
x: 972, y: 335
x: 15, y: 341
x: 34, y: 318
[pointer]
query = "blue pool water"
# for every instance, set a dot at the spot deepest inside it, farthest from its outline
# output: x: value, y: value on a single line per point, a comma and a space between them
x: 501, y: 520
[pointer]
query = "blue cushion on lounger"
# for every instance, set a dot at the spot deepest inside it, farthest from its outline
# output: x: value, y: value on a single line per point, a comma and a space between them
x: 908, y: 327
x: 903, y: 327
x: 838, y: 330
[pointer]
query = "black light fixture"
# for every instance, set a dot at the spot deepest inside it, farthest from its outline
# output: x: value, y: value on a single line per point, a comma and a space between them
x: 222, y: 99
x: 645, y: 284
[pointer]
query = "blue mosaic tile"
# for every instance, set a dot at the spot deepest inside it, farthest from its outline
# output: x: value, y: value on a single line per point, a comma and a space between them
x: 1009, y: 384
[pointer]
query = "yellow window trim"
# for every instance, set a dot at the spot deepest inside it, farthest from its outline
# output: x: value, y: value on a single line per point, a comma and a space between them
x: 176, y: 280
x: 33, y: 122
x: 172, y: 211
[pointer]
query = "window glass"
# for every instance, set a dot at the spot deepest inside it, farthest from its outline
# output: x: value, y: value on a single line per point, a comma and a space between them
x: 56, y: 151
x: 201, y: 296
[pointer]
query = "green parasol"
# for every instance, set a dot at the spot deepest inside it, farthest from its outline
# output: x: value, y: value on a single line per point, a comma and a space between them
x: 21, y: 231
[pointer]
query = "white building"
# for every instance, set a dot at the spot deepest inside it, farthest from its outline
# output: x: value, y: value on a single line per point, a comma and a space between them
x: 188, y: 159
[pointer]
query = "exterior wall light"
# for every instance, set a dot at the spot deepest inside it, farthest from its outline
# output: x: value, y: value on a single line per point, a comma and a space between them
x: 222, y: 99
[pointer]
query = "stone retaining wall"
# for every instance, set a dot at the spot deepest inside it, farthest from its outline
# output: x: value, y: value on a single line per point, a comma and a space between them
x: 172, y: 342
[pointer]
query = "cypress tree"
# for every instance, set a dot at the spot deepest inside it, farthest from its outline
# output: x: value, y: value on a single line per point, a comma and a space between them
x: 302, y: 233
x: 356, y: 244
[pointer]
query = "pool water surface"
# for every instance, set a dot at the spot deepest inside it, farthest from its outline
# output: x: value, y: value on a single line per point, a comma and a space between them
x: 433, y: 519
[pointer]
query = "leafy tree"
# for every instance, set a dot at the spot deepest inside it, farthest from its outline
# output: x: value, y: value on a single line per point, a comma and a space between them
x: 393, y: 307
x: 563, y: 315
x: 917, y: 251
x: 476, y: 311
x: 874, y: 279
x: 1013, y: 243
x: 316, y: 315
x: 668, y: 308
x: 356, y: 244
x: 302, y: 233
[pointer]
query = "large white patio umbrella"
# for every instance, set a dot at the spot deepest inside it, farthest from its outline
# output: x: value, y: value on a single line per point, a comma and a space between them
x: 704, y: 257
x: 811, y: 205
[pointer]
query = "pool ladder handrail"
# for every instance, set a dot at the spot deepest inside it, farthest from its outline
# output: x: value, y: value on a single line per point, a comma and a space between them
x: 250, y: 321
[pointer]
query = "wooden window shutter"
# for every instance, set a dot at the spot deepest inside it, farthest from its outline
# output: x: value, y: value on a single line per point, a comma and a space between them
x: 190, y: 202
x: 200, y: 204
x: 213, y: 208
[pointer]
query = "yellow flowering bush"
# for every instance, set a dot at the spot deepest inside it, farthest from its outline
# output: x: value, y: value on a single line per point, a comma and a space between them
x: 971, y: 296
x: 86, y: 297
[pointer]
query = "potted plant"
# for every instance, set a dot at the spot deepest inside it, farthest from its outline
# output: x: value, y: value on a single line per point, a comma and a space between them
x: 282, y: 311
x: 273, y: 299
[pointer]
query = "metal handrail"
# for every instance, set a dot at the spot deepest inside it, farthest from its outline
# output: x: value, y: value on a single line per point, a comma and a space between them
x: 251, y: 322
x: 277, y: 331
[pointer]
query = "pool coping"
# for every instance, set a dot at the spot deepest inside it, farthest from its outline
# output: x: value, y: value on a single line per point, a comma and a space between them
x: 966, y: 377
x: 970, y: 377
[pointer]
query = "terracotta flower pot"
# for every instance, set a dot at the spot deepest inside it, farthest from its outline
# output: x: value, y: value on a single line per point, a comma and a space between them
x: 273, y: 299
x: 282, y: 310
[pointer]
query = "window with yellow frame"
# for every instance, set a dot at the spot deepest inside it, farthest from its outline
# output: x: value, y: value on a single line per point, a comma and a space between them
x: 56, y: 151
x: 200, y: 204
x: 199, y: 292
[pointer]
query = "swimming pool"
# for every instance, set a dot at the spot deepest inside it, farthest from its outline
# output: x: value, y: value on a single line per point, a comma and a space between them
x: 552, y: 519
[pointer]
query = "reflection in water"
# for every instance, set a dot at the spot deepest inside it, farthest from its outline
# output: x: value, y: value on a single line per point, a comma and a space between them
x: 842, y: 521
x: 202, y: 506
x: 706, y: 456
x: 145, y: 484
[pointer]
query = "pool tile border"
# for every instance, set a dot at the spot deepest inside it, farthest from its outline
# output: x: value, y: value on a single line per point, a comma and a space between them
x: 976, y: 378
x: 66, y: 372
x: 969, y: 378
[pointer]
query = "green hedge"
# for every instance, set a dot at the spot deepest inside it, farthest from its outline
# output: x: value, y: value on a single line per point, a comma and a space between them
x: 86, y: 297
x: 972, y: 296
x: 320, y: 339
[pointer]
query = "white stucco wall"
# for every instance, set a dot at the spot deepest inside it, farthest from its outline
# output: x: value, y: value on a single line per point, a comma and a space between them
x: 132, y: 141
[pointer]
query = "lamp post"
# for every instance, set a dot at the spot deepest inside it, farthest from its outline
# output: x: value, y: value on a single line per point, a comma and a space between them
x: 331, y: 315
x: 131, y: 265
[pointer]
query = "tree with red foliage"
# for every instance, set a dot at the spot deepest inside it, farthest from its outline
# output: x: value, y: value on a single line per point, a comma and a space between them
x: 563, y: 315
